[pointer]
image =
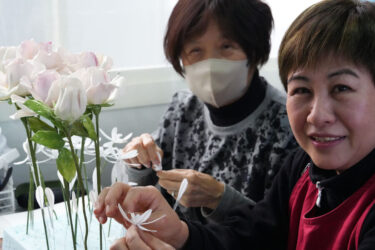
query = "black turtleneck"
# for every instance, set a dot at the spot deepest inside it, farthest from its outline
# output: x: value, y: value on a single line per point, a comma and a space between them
x: 237, y: 111
x: 337, y: 188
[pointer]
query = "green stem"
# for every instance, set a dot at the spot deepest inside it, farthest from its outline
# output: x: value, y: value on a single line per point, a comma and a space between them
x: 66, y: 191
x: 35, y: 168
x: 80, y: 182
x: 83, y: 166
x: 98, y: 175
x: 30, y: 202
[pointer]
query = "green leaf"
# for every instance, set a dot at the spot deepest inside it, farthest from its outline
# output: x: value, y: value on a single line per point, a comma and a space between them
x: 106, y: 105
x: 65, y: 164
x: 96, y: 108
x: 40, y: 108
x: 36, y: 124
x: 50, y: 139
x: 79, y: 129
x: 89, y: 126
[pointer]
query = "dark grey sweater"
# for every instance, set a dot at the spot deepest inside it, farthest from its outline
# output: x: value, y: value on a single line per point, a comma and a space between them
x: 245, y: 155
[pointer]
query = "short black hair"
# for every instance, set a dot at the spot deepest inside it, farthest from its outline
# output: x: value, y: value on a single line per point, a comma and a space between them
x: 247, y: 22
x: 343, y: 28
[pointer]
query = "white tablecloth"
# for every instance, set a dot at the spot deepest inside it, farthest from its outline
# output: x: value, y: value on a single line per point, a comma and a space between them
x: 13, y: 231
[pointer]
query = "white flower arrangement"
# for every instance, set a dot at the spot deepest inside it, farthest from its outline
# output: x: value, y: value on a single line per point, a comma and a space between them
x: 59, y: 96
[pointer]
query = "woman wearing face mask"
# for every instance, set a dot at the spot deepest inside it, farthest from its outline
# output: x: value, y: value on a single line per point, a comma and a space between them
x: 229, y: 134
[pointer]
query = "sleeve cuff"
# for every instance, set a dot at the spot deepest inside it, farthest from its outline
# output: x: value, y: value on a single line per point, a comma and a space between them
x: 142, y: 177
x: 229, y: 199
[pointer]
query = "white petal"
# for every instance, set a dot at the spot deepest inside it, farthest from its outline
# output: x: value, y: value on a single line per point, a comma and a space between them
x: 149, y: 222
x: 71, y: 184
x: 181, y: 191
x: 144, y: 217
x: 93, y: 195
x: 114, y: 175
x: 39, y: 196
x: 105, y: 135
x: 145, y: 229
x: 128, y: 155
x: 94, y: 180
x: 61, y: 178
x: 74, y: 202
x: 17, y: 99
x: 50, y: 197
x: 158, y: 167
x: 124, y: 214
x: 21, y: 113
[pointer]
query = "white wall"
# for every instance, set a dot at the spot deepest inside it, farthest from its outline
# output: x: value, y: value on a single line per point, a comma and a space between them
x: 129, y: 31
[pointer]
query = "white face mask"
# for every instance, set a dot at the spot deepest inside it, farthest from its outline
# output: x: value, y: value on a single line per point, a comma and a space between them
x: 217, y: 81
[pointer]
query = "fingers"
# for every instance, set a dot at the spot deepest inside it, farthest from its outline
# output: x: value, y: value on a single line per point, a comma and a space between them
x: 136, y: 239
x: 170, y: 186
x: 106, y: 205
x: 147, y: 238
x: 133, y: 241
x: 151, y: 148
x: 147, y: 151
x: 119, y: 244
x: 139, y: 199
x: 176, y: 174
x: 99, y: 209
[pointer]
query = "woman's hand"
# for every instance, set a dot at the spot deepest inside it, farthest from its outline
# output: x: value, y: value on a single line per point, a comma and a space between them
x: 137, y: 239
x: 202, y: 191
x: 147, y: 151
x: 169, y: 229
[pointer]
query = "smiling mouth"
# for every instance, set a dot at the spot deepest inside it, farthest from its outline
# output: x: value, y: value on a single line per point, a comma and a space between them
x: 327, y: 138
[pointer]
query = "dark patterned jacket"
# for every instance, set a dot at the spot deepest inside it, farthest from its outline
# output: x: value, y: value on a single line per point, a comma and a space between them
x: 245, y: 156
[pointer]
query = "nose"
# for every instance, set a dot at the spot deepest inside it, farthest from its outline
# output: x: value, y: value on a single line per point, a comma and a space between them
x: 321, y: 112
x: 212, y: 53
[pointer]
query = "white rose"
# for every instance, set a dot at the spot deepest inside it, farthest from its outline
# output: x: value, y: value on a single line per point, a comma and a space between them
x: 45, y: 87
x: 72, y: 100
x: 28, y: 49
x: 99, y: 88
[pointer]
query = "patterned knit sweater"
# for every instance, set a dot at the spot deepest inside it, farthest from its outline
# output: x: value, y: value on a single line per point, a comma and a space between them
x: 245, y: 156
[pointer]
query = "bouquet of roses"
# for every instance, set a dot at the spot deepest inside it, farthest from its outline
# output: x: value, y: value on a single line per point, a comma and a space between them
x: 59, y: 96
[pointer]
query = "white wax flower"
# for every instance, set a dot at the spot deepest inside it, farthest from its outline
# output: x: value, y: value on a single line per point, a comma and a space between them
x: 72, y: 100
x: 23, y: 111
x: 139, y: 220
x: 115, y: 136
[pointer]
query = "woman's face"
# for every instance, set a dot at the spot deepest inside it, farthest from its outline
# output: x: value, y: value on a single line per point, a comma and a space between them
x: 211, y: 44
x: 331, y: 109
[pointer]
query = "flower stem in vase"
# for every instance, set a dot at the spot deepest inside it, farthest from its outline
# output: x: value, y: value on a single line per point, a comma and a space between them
x: 30, y: 203
x: 35, y: 169
x: 97, y: 110
x: 80, y: 183
x: 66, y: 196
x: 82, y: 166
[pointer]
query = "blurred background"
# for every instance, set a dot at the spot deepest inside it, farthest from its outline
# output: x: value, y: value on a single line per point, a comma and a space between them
x: 131, y: 32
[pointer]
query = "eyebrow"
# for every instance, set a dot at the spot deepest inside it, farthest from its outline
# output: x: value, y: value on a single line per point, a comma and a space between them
x: 297, y: 77
x: 330, y: 75
x: 343, y: 72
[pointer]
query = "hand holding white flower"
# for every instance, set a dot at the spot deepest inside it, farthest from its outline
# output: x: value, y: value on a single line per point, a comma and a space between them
x: 139, y: 220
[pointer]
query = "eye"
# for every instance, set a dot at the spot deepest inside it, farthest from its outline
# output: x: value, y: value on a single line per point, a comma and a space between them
x: 299, y: 91
x: 194, y: 50
x: 341, y: 88
x: 227, y: 46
